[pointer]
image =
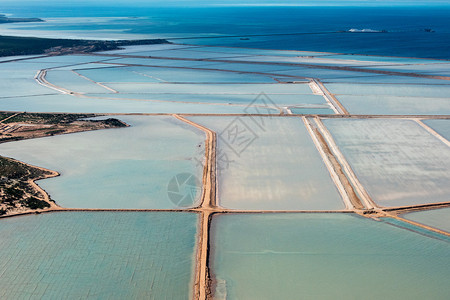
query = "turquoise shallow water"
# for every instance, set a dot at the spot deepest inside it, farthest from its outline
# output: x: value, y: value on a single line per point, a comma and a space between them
x: 102, y: 255
x: 325, y: 256
x: 116, y: 168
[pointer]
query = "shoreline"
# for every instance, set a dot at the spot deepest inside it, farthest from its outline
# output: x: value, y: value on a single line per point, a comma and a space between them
x: 20, y: 194
x: 46, y: 173
x: 17, y: 45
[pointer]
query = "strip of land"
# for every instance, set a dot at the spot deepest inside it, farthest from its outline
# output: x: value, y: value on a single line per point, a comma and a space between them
x: 207, y: 207
x: 20, y: 126
x: 13, y: 45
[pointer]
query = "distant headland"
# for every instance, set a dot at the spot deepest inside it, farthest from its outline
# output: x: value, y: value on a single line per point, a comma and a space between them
x: 5, y: 19
x: 13, y: 45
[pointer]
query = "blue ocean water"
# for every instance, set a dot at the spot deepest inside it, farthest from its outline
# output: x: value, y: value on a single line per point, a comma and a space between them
x: 405, y: 25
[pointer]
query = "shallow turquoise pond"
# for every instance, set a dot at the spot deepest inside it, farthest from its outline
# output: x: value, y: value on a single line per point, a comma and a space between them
x: 116, y: 168
x: 101, y: 255
x: 325, y: 256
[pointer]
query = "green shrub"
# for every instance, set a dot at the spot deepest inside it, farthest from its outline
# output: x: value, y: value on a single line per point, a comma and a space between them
x: 35, y: 203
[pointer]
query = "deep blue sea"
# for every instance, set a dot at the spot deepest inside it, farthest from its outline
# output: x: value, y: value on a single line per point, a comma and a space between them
x: 320, y: 26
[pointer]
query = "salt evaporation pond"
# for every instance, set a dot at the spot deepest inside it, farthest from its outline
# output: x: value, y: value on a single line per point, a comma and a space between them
x: 397, y: 161
x: 145, y: 89
x: 101, y: 255
x: 440, y: 126
x: 437, y: 218
x: 405, y: 90
x: 229, y: 100
x: 387, y: 79
x: 171, y: 75
x: 73, y: 82
x: 395, y: 105
x: 116, y: 168
x: 270, y: 164
x: 202, y: 88
x: 402, y: 99
x: 306, y: 110
x: 325, y: 256
x: 67, y: 103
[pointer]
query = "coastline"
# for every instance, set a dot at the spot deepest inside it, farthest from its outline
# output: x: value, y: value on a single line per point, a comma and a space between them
x: 16, y: 45
x: 43, y: 195
x: 20, y: 194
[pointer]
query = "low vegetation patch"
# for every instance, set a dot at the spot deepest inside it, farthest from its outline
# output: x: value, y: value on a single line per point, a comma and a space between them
x: 13, y: 45
x: 14, y: 127
x: 16, y: 191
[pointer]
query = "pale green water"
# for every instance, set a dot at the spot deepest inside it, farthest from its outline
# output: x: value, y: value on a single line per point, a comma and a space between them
x: 437, y: 218
x: 102, y: 255
x: 325, y: 256
x: 116, y: 168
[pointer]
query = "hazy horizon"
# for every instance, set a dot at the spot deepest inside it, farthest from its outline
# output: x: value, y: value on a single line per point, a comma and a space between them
x: 208, y: 3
